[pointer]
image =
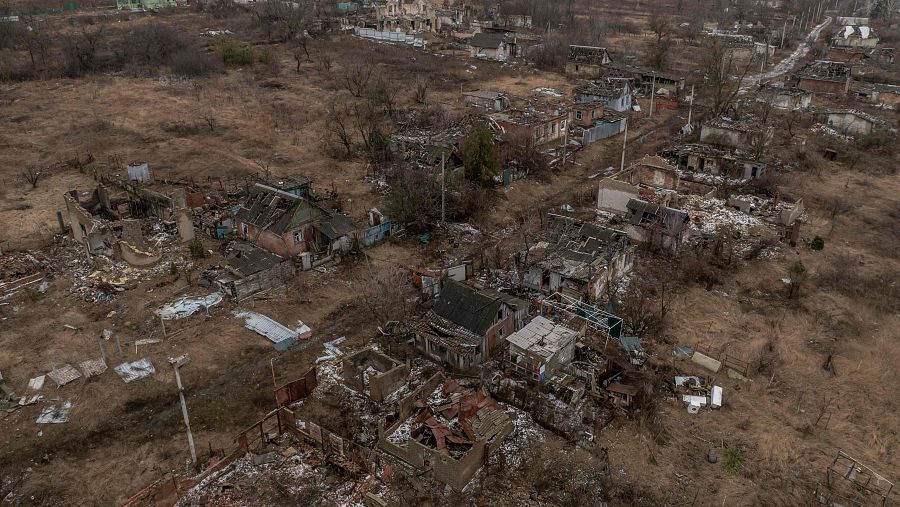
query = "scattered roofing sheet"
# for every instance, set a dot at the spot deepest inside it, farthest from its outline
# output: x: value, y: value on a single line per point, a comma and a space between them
x: 135, y: 370
x: 54, y: 414
x: 64, y: 375
x: 542, y: 337
x: 331, y: 350
x: 683, y: 350
x: 37, y: 382
x: 30, y: 400
x: 279, y: 334
x: 187, y: 306
x: 93, y: 367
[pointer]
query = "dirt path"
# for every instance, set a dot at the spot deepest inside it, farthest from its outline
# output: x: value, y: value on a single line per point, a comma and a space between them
x: 784, y: 66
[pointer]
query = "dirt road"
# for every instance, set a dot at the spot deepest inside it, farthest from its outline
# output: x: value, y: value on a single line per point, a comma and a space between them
x: 784, y: 66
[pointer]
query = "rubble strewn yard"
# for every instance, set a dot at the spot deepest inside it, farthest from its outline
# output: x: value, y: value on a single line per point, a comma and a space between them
x: 433, y: 253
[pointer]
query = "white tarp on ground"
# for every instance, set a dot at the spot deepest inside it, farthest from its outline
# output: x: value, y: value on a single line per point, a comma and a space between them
x: 37, y: 382
x: 135, y: 370
x: 272, y: 330
x: 54, y: 414
x: 187, y: 306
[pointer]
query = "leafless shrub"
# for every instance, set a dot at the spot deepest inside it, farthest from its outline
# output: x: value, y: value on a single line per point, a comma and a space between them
x: 881, y: 290
x: 80, y: 51
x: 220, y: 9
x: 191, y: 63
x: 338, y: 126
x: 421, y: 92
x: 385, y: 292
x: 325, y: 62
x: 31, y: 176
x: 355, y: 78
x: 767, y: 358
x: 286, y: 21
x: 152, y: 44
x: 181, y: 127
x: 520, y: 151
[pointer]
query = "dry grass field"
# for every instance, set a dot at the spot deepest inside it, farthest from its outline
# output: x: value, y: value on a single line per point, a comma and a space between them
x: 786, y: 422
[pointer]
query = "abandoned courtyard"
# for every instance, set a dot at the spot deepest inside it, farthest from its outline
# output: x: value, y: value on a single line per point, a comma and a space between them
x: 438, y: 253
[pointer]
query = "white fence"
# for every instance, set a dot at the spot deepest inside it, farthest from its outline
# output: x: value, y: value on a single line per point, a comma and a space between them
x: 371, y: 33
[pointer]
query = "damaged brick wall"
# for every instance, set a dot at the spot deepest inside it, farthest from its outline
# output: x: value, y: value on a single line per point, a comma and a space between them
x: 381, y: 386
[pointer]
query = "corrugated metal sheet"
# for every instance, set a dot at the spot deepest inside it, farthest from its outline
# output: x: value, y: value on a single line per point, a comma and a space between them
x: 280, y: 335
x: 602, y: 131
x: 135, y: 370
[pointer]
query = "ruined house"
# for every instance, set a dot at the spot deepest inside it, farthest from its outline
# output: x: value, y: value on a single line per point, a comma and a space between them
x: 854, y: 123
x: 407, y: 15
x: 249, y: 270
x: 465, y: 326
x: 708, y: 159
x: 374, y: 374
x: 845, y: 54
x: 880, y: 94
x: 295, y: 184
x: 97, y: 225
x: 490, y: 100
x: 656, y: 224
x: 585, y: 114
x: 543, y: 127
x: 278, y: 221
x: 490, y: 45
x: 88, y: 221
x: 586, y: 61
x: 614, y: 93
x: 789, y: 99
x: 855, y: 36
x: 445, y: 430
x: 738, y: 135
x: 824, y: 76
x: 651, y: 171
x: 646, y: 80
x: 540, y: 349
x: 613, y: 195
x: 577, y: 258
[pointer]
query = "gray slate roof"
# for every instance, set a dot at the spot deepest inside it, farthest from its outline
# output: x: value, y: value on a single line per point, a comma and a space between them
x: 466, y: 307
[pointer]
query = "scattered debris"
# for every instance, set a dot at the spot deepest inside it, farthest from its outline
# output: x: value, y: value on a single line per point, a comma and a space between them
x: 37, y: 382
x: 331, y: 350
x: 93, y: 367
x: 135, y: 370
x: 187, y: 306
x: 64, y: 375
x: 282, y: 336
x: 54, y: 415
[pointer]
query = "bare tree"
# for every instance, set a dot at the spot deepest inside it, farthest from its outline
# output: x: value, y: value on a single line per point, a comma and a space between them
x: 31, y: 176
x: 717, y: 65
x: 337, y: 124
x: 421, y: 93
x: 356, y: 78
x: 287, y: 21
x: 325, y: 62
x: 385, y: 292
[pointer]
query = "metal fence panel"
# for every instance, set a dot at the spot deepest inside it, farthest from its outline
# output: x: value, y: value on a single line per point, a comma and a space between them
x: 602, y: 131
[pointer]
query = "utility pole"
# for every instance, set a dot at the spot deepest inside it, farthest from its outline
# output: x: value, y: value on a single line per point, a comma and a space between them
x: 178, y: 362
x: 443, y: 188
x: 624, y: 140
x: 782, y: 33
x: 691, y: 108
x: 652, y: 94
